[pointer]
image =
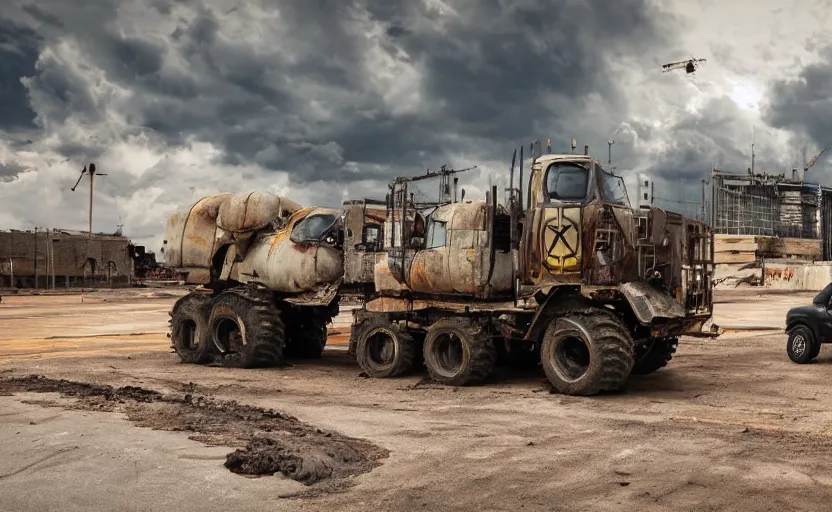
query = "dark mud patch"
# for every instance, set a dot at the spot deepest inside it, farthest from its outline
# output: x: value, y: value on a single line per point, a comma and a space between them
x: 267, y: 442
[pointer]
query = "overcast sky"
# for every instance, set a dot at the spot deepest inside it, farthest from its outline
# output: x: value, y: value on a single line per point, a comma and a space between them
x: 325, y: 100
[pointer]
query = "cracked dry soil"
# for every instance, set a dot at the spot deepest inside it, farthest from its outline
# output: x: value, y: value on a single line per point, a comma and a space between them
x: 266, y: 441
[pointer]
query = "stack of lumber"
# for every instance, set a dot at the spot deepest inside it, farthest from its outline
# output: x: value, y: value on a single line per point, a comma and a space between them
x: 735, y: 249
x: 731, y: 249
x: 789, y: 248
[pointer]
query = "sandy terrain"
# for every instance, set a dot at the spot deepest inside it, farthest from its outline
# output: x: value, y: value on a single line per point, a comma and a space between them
x: 730, y: 424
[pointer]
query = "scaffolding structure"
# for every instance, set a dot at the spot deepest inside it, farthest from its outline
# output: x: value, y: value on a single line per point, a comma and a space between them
x: 767, y: 205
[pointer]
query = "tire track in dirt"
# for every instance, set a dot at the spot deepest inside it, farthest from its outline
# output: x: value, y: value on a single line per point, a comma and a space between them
x: 266, y: 441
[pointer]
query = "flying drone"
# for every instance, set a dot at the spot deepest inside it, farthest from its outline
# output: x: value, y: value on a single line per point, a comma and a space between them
x: 688, y: 65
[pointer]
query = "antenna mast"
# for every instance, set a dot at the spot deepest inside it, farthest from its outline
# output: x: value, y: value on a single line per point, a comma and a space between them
x: 92, y: 180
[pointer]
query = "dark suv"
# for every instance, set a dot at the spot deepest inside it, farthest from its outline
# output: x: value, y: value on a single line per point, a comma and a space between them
x: 809, y: 326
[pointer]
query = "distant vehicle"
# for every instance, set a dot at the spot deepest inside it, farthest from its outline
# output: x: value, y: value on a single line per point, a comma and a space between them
x: 809, y: 326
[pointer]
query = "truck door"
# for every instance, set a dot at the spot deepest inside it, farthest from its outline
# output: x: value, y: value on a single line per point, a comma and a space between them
x: 551, y: 242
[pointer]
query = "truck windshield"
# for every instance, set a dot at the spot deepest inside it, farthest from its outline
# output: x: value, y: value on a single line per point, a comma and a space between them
x: 612, y: 189
x: 313, y: 228
x: 566, y: 181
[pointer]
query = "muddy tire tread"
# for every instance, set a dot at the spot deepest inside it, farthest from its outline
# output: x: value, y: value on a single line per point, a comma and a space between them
x: 482, y: 352
x: 193, y: 306
x: 406, y: 348
x: 264, y: 347
x: 660, y: 354
x: 612, y: 344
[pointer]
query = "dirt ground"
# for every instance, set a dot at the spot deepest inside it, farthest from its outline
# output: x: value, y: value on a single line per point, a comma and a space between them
x: 730, y: 424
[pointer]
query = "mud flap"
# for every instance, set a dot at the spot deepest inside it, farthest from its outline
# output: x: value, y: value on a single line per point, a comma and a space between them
x: 649, y: 303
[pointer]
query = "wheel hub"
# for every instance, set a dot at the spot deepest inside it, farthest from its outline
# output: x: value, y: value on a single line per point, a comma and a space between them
x: 798, y: 345
x: 381, y: 347
x: 448, y: 354
x: 571, y: 358
x: 228, y: 336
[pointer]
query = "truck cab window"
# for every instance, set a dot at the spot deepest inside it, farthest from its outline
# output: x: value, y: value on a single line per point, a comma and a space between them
x: 314, y: 228
x: 612, y: 189
x: 566, y: 182
x: 371, y: 235
x: 436, y: 234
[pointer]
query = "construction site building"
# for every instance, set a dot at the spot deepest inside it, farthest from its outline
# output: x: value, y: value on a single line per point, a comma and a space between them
x: 771, y: 230
x: 59, y: 258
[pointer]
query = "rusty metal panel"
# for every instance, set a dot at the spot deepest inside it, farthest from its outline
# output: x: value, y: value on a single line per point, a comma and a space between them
x: 385, y: 281
x: 648, y: 303
x: 502, y: 279
x: 243, y: 213
x: 429, y: 272
x: 172, y: 242
x: 285, y: 267
x: 462, y: 258
x: 659, y: 220
x: 624, y: 218
x: 359, y: 255
x: 395, y: 304
x: 468, y: 215
x: 199, y: 232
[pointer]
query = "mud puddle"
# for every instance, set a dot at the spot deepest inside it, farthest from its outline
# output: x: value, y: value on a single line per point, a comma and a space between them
x: 267, y: 442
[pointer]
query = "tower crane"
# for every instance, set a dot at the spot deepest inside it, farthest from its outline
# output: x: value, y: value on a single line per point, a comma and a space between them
x: 816, y: 157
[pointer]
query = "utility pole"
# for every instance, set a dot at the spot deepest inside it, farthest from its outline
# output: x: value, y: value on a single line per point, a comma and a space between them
x: 36, y: 258
x: 92, y: 180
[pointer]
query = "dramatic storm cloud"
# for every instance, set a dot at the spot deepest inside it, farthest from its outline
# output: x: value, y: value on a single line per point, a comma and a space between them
x: 325, y: 100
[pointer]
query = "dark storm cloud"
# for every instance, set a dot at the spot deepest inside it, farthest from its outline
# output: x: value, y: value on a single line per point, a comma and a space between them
x: 492, y: 67
x: 803, y: 103
x: 701, y: 141
x: 42, y: 16
x: 491, y: 74
x: 299, y: 92
x: 18, y: 55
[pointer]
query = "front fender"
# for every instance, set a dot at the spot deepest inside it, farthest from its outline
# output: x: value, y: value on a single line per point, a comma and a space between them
x: 649, y: 303
x: 809, y: 316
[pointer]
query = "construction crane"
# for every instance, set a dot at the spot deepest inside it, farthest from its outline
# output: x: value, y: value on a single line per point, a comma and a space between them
x: 92, y: 178
x: 688, y: 65
x: 815, y: 158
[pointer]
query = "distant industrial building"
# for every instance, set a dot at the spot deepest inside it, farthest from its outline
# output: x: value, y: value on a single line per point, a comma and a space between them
x: 786, y: 217
x: 60, y: 258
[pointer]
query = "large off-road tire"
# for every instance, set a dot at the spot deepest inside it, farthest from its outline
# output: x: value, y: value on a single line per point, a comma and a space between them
x: 458, y: 351
x: 801, y: 345
x: 307, y: 334
x: 587, y: 353
x: 246, y: 329
x: 654, y: 355
x: 189, y: 331
x: 383, y: 349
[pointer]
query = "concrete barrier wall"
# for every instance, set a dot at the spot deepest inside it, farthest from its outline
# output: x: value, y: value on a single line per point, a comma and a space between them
x: 810, y: 277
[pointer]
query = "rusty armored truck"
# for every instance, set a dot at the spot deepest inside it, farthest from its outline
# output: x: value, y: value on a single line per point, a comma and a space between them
x: 572, y: 279
x: 269, y: 275
x: 575, y: 280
